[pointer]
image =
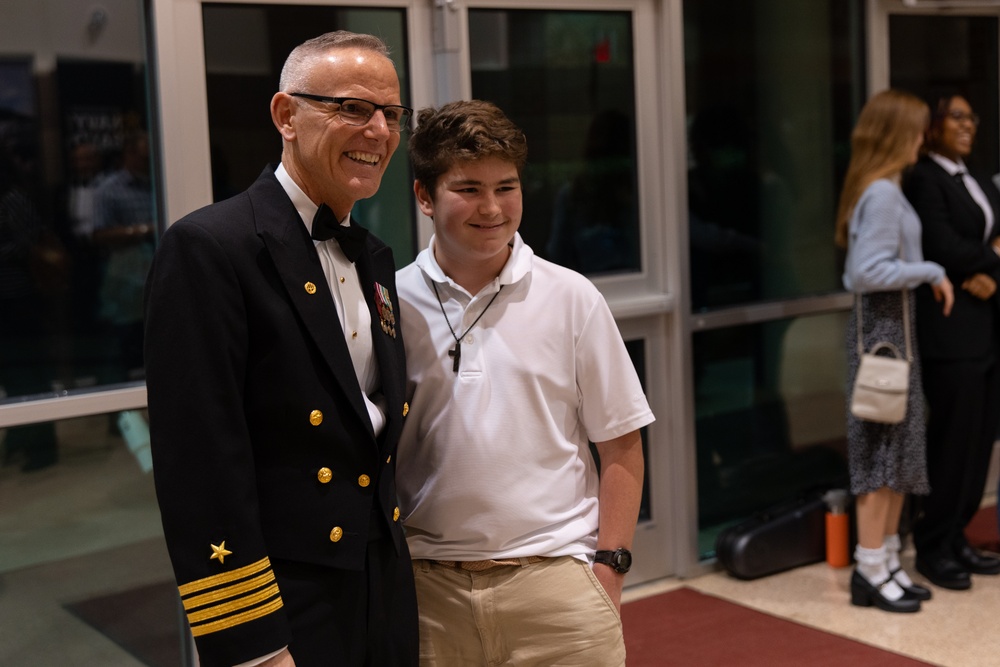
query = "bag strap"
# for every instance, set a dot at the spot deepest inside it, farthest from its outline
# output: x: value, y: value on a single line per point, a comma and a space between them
x: 906, y: 322
x: 906, y: 315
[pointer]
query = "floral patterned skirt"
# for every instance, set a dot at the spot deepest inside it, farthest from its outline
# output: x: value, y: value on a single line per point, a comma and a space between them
x: 892, y: 455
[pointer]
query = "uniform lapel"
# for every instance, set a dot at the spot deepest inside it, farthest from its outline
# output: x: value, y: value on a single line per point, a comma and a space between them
x: 297, y: 263
x: 376, y: 269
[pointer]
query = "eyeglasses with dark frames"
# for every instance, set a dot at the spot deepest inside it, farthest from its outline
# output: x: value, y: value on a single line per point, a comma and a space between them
x: 960, y: 116
x: 358, y: 112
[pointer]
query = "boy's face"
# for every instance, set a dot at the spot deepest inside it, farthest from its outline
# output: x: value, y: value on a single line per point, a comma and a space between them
x: 476, y: 209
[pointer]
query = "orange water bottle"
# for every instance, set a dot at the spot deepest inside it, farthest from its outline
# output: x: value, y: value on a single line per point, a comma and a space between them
x: 837, y: 528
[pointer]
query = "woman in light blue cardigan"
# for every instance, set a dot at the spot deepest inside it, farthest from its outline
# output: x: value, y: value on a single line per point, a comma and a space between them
x: 882, y: 234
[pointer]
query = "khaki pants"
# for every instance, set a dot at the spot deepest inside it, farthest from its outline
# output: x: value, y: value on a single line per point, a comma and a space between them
x: 549, y: 614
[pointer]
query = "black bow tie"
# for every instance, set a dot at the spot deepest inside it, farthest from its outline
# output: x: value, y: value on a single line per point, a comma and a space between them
x: 351, y: 238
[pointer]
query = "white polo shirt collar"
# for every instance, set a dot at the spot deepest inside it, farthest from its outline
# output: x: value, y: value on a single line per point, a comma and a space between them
x: 517, y: 267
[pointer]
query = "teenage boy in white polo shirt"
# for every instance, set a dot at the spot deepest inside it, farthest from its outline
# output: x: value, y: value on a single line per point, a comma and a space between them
x: 514, y: 364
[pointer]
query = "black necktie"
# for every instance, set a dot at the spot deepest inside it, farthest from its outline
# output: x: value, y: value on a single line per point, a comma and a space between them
x: 960, y: 178
x: 351, y: 238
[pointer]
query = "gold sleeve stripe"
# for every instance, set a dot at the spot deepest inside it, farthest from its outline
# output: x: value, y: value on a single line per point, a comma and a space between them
x: 229, y: 591
x: 224, y: 578
x: 235, y: 605
x: 238, y: 619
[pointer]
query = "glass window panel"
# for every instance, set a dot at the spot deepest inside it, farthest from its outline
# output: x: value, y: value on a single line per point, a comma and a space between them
x: 245, y: 48
x: 942, y: 55
x: 567, y: 79
x: 772, y: 88
x: 86, y: 576
x: 770, y: 416
x: 77, y: 200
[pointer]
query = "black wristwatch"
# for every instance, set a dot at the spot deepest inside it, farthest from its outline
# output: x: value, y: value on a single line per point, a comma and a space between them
x: 620, y: 560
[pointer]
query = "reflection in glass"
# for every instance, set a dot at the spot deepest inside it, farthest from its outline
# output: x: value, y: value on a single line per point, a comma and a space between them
x: 772, y: 87
x: 567, y: 79
x: 245, y: 47
x: 769, y: 417
x: 77, y: 214
x: 82, y: 558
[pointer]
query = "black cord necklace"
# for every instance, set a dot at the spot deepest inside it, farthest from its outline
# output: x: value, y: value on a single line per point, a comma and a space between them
x: 456, y: 354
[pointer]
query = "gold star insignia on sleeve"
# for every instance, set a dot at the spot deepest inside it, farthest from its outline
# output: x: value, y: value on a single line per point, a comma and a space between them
x: 220, y: 552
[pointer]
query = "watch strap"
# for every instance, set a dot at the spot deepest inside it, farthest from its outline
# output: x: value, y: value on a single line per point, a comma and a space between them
x: 614, y: 559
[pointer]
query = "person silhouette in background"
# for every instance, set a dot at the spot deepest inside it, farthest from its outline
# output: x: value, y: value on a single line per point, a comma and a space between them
x: 25, y: 359
x: 595, y: 224
x: 124, y: 233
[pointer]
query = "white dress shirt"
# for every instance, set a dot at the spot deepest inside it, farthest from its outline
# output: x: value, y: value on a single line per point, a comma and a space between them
x: 352, y: 309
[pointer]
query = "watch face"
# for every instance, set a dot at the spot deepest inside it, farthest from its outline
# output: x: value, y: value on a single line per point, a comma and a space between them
x: 623, y: 560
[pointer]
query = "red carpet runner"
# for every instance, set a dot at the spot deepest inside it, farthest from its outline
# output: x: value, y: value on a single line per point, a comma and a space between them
x: 685, y: 628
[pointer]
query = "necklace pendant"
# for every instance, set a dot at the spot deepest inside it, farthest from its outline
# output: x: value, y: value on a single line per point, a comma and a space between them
x: 456, y: 353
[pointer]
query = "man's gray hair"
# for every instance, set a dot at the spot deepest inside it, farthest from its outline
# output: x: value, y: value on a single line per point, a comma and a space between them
x: 297, y: 65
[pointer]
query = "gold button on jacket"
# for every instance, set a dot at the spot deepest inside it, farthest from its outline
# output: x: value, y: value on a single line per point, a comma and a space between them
x: 336, y: 534
x: 324, y: 475
x: 364, y: 480
x: 395, y: 514
x: 310, y: 288
x: 316, y: 417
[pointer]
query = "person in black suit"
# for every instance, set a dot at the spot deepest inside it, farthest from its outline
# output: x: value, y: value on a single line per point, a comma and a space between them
x: 275, y: 372
x: 961, y: 353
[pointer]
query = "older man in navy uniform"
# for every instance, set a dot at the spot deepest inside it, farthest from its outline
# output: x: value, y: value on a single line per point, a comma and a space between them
x: 275, y: 371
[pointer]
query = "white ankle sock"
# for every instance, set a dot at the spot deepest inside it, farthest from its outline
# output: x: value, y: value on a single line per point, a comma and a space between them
x: 872, y: 566
x: 892, y: 548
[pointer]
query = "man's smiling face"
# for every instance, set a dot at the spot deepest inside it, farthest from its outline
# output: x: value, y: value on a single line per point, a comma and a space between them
x: 337, y: 163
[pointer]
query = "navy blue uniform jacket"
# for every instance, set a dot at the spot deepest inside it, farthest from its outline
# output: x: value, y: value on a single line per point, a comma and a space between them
x: 261, y: 439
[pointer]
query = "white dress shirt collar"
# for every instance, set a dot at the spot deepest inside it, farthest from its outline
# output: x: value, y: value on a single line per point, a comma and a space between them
x: 304, y: 205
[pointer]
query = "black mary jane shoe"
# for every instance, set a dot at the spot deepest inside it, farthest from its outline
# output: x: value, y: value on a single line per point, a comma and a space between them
x: 864, y: 594
x: 914, y: 591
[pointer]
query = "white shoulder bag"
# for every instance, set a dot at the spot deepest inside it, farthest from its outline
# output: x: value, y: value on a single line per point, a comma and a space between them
x: 882, y: 384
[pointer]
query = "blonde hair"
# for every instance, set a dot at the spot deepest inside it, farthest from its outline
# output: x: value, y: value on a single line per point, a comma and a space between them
x: 881, y: 147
